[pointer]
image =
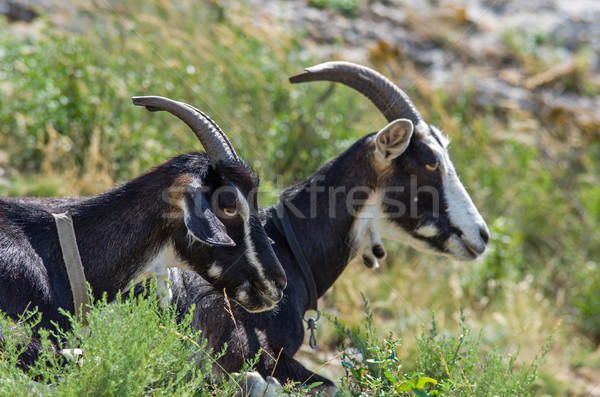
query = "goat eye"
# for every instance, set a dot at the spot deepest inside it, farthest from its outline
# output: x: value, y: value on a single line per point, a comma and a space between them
x: 433, y: 166
x: 230, y: 211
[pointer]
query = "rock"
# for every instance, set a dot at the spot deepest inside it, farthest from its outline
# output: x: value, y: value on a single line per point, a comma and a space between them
x: 578, y: 31
x: 17, y: 11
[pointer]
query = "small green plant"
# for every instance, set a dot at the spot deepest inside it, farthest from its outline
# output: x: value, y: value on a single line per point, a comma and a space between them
x: 444, y: 365
x: 587, y: 300
x: 372, y: 366
x: 463, y: 368
x: 347, y: 8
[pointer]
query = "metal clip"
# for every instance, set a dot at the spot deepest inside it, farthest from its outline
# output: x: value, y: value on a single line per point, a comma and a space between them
x: 312, y: 326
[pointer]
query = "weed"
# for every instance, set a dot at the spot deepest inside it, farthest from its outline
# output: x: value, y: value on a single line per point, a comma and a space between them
x: 372, y: 366
x: 130, y: 347
x: 445, y: 365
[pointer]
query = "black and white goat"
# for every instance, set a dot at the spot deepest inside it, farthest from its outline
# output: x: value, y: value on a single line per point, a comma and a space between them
x: 195, y: 211
x: 398, y: 183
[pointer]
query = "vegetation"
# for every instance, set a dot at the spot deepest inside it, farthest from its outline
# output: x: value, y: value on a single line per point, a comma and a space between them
x: 348, y: 8
x: 445, y: 365
x: 67, y: 127
x: 150, y: 354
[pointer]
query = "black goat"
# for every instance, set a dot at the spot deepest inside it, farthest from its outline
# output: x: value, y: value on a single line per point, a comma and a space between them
x: 398, y: 183
x: 196, y: 211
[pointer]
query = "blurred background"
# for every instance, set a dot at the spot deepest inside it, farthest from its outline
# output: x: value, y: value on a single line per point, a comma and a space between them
x: 515, y: 86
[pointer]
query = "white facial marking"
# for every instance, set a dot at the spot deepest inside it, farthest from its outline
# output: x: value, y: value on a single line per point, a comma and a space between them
x: 215, y: 271
x: 243, y: 207
x: 253, y: 260
x: 241, y: 293
x: 251, y: 251
x: 427, y: 231
x: 189, y: 237
x: 461, y: 211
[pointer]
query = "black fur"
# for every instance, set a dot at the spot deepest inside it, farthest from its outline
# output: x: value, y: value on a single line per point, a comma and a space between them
x: 118, y: 232
x: 326, y: 242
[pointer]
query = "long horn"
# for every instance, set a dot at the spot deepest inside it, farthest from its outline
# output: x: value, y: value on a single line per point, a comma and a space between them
x: 214, y: 140
x: 389, y: 99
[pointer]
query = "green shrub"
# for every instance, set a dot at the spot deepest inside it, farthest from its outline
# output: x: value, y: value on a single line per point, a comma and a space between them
x: 463, y: 368
x: 131, y: 347
x: 445, y: 365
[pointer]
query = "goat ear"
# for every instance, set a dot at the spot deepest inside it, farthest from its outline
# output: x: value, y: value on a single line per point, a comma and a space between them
x: 202, y: 223
x: 393, y: 139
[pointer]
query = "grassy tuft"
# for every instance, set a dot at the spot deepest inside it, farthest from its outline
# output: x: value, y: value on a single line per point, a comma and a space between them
x: 130, y: 347
x: 445, y: 365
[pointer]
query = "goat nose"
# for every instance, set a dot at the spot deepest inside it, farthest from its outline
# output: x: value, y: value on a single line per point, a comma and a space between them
x: 485, y: 234
x: 281, y: 282
x: 279, y: 295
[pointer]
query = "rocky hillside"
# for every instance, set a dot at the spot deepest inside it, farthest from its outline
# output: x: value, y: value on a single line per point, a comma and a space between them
x: 539, y: 56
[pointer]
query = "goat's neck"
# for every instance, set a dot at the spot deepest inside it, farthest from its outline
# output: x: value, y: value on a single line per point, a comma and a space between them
x: 119, y: 232
x: 319, y: 214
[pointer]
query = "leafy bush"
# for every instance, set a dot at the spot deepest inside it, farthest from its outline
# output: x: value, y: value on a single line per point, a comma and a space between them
x: 131, y: 347
x: 445, y: 366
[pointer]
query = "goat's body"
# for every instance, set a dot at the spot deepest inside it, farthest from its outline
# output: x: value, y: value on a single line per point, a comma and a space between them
x: 327, y: 242
x: 195, y: 211
x: 398, y: 183
x: 29, y: 274
x: 124, y: 235
x: 114, y: 252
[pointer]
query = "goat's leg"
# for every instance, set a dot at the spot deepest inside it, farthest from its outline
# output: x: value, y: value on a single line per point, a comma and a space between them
x: 257, y: 386
x: 287, y: 369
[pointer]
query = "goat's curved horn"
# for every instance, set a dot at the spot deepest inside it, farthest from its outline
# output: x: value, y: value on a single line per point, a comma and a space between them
x: 389, y: 99
x: 214, y: 140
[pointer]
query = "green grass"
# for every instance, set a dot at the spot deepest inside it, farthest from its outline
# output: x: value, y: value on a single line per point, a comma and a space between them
x: 135, y: 347
x: 131, y: 347
x: 446, y: 365
x: 63, y: 90
x: 67, y: 126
